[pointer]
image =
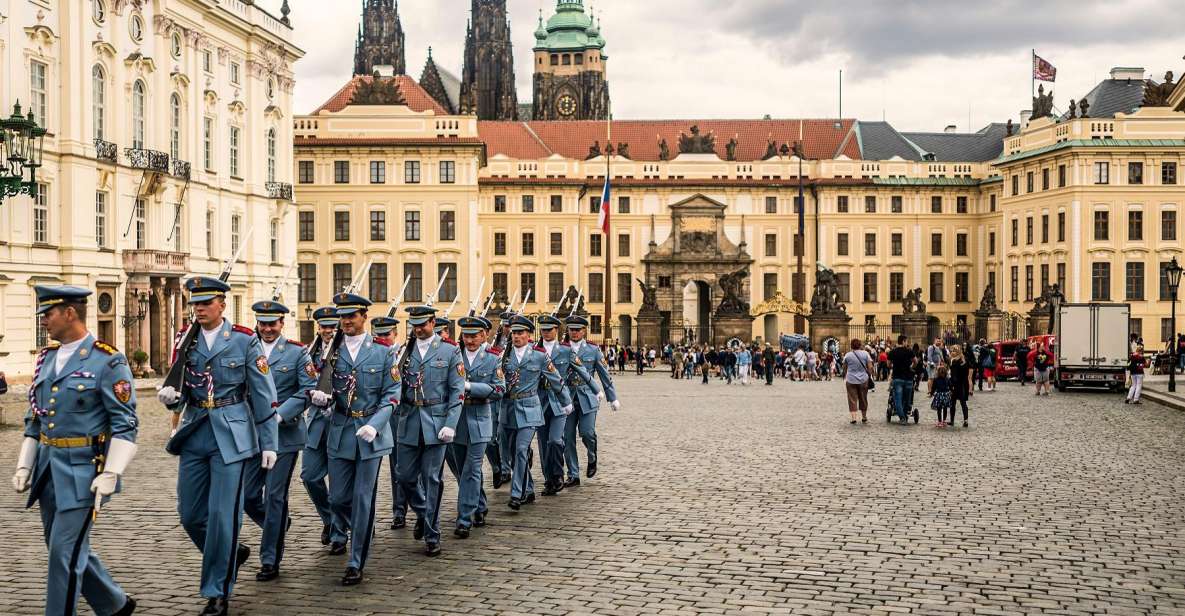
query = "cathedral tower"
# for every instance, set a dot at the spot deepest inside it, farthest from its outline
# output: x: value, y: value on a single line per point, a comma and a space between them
x: 380, y: 38
x: 487, y: 81
x: 570, y: 78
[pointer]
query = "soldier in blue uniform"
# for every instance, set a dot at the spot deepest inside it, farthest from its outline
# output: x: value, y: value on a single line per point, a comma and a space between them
x: 586, y: 397
x: 314, y: 463
x: 485, y: 383
x: 286, y: 360
x: 383, y: 329
x: 526, y: 368
x: 551, y: 437
x: 433, y: 391
x: 80, y: 436
x: 365, y: 394
x: 442, y: 328
x: 228, y: 407
x: 496, y: 452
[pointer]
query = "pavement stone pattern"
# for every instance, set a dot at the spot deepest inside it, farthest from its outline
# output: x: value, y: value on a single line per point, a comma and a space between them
x: 715, y: 499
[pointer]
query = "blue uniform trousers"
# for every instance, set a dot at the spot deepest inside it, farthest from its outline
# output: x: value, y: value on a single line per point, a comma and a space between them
x: 73, y: 568
x: 422, y: 465
x: 254, y: 482
x: 493, y: 448
x: 352, y: 495
x: 399, y: 498
x: 551, y: 446
x: 505, y: 452
x: 465, y: 463
x: 210, y: 503
x: 314, y: 468
x: 587, y: 424
x: 275, y: 525
x: 519, y: 444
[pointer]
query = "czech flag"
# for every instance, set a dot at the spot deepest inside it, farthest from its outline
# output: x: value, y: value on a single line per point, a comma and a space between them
x: 603, y: 219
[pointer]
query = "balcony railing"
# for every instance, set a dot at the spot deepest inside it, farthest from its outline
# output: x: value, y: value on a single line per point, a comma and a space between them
x: 106, y: 151
x: 160, y: 262
x: 139, y: 158
x: 181, y: 169
x: 279, y: 190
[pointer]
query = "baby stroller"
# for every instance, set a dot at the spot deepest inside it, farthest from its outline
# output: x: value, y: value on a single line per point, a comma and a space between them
x: 891, y: 411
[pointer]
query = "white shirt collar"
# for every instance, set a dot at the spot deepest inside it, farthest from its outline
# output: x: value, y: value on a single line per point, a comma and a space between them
x: 423, y: 345
x: 550, y: 346
x: 65, y: 352
x: 211, y: 335
x: 472, y: 355
x: 353, y: 343
x: 268, y: 347
x: 519, y: 352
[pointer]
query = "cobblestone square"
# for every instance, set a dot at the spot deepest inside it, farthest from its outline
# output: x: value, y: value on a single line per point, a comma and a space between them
x: 728, y: 499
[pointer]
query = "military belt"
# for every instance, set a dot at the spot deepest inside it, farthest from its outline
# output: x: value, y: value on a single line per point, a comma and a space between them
x: 73, y: 442
x: 206, y: 403
x: 429, y: 402
x: 524, y: 395
x: 363, y: 413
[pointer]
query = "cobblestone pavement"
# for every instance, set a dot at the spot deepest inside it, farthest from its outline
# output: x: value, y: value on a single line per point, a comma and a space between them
x: 718, y: 499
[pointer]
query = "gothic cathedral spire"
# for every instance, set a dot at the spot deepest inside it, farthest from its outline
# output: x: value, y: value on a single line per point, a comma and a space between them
x: 487, y: 81
x: 380, y: 38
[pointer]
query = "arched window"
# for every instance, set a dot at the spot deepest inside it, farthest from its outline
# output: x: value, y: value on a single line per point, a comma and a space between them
x: 271, y: 155
x: 99, y: 101
x: 139, y: 104
x: 175, y: 127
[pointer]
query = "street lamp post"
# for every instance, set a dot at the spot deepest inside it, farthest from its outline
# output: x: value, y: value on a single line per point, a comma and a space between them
x: 1173, y: 271
x: 22, y: 142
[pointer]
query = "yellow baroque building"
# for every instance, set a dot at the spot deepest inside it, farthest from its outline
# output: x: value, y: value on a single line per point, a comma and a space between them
x: 420, y: 193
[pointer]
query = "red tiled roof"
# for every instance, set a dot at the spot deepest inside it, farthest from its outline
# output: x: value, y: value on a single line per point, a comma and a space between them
x: 596, y: 183
x: 385, y: 141
x: 533, y: 140
x: 417, y: 98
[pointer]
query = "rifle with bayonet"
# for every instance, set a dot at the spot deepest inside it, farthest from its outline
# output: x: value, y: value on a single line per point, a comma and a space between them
x: 571, y: 311
x: 489, y: 302
x: 510, y: 343
x: 403, y: 359
x: 476, y: 298
x: 330, y: 354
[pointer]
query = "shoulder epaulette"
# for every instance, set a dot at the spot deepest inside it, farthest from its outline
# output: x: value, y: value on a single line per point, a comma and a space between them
x: 494, y: 352
x: 106, y: 348
x: 243, y: 330
x: 540, y: 348
x: 51, y: 346
x: 296, y: 343
x: 382, y: 341
x: 449, y: 341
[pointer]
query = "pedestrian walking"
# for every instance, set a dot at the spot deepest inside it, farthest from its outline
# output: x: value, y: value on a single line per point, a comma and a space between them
x: 857, y: 370
x: 770, y: 359
x: 1135, y: 370
x: 940, y: 394
x: 901, y: 362
x: 1042, y: 366
x: 744, y: 363
x: 960, y: 376
x: 1021, y: 357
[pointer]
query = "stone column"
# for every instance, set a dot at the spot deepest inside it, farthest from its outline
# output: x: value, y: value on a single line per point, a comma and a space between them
x: 916, y: 327
x: 828, y: 325
x: 989, y: 325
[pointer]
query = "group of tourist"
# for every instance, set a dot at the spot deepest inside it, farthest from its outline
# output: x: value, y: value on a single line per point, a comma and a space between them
x: 745, y: 363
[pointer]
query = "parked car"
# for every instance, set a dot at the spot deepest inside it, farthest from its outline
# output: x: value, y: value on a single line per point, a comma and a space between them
x: 1006, y: 359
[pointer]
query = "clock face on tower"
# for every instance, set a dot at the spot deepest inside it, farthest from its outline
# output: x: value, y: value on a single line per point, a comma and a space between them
x: 566, y: 105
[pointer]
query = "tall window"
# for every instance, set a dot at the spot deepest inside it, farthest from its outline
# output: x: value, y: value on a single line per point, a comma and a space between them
x: 414, y: 274
x: 961, y: 205
x: 1135, y: 226
x: 411, y: 172
x: 1045, y: 179
x: 448, y: 172
x: 1102, y: 172
x: 273, y: 239
x: 139, y: 104
x: 41, y: 215
x: 623, y: 245
x: 175, y: 126
x: 771, y: 205
x: 936, y: 244
x: 378, y: 226
x: 843, y: 286
x: 1135, y: 173
x: 992, y: 243
x: 1044, y: 275
x: 841, y: 204
x: 305, y: 173
x: 234, y: 73
x: 962, y: 287
x: 1101, y: 225
x: 1015, y: 185
x: 500, y: 205
x: 343, y: 275
x: 1168, y: 173
x: 1166, y: 294
x: 896, y: 204
x: 306, y: 224
x: 501, y: 285
x: 1061, y: 275
x: 307, y: 287
x: 37, y: 91
x: 100, y: 219
x: 341, y: 227
x: 208, y: 143
x: 207, y: 61
x: 771, y: 244
x: 210, y: 232
x: 1045, y: 228
x: 1100, y: 282
x: 499, y: 244
x: 870, y: 287
x: 896, y: 286
x: 378, y: 172
x: 1029, y: 182
x: 1061, y: 176
x: 1028, y: 283
x: 235, y: 131
x: 527, y: 285
x: 1168, y: 225
x: 960, y: 244
x: 1134, y: 287
x: 870, y: 205
x: 625, y: 289
x: 377, y: 282
x: 555, y: 286
x: 271, y: 155
x: 936, y: 287
x: 528, y: 204
x: 895, y: 245
x: 448, y: 225
x: 528, y: 247
x: 341, y: 172
x: 557, y: 203
x: 99, y: 101
x: 594, y: 245
x: 236, y: 224
x: 1014, y: 284
x: 556, y: 244
x: 992, y: 202
x: 623, y: 205
x: 936, y: 204
x: 1061, y: 226
x: 411, y: 226
x: 870, y: 244
x: 594, y: 205
x: 596, y: 287
x: 841, y: 244
x: 1015, y: 231
x: 140, y: 217
x: 1029, y: 230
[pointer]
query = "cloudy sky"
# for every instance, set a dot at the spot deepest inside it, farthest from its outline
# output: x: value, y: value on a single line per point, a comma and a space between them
x: 921, y: 64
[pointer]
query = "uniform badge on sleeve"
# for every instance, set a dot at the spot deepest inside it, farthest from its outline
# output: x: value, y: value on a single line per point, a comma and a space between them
x: 310, y: 370
x: 261, y: 363
x: 499, y: 373
x: 550, y: 367
x: 122, y: 390
x: 460, y: 370
x: 395, y: 374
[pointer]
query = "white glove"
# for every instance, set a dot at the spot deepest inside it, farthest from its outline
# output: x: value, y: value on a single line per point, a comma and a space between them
x: 168, y: 396
x: 446, y: 434
x: 279, y: 418
x: 567, y: 410
x: 172, y: 434
x: 103, y: 486
x: 615, y: 405
x: 367, y: 433
x: 24, y: 464
x: 467, y: 385
x: 600, y: 395
x: 267, y: 460
x: 320, y: 398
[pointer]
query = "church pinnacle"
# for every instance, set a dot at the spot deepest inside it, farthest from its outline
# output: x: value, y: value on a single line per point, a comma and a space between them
x: 380, y: 38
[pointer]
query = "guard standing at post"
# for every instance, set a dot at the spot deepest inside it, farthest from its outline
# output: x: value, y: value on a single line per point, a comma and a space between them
x: 433, y: 391
x: 365, y: 394
x: 80, y: 436
x: 485, y: 383
x: 551, y: 437
x: 586, y: 398
x: 314, y: 461
x: 228, y: 407
x: 287, y: 361
x: 525, y: 366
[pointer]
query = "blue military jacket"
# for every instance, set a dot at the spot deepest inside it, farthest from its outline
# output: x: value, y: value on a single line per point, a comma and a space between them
x: 365, y: 393
x: 486, y: 385
x: 234, y: 376
x: 317, y: 418
x: 287, y: 365
x: 570, y: 368
x: 433, y: 390
x: 523, y: 408
x: 91, y: 396
x: 583, y: 388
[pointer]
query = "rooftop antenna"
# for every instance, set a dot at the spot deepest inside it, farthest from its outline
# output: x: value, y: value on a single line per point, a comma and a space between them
x: 839, y: 120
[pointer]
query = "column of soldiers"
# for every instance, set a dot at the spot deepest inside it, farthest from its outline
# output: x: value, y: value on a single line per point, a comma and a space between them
x: 251, y: 400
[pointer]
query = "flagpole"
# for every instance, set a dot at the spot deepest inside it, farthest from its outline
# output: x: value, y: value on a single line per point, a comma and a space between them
x: 1032, y: 73
x: 607, y: 230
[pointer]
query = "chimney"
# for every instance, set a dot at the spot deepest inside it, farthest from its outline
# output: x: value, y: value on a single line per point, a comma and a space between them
x: 950, y: 128
x: 1128, y: 72
x: 1025, y: 115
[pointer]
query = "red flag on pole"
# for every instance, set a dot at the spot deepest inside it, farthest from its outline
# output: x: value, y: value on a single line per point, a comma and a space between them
x: 1043, y: 70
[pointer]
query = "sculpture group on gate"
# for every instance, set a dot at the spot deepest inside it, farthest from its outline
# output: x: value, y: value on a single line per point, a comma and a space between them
x: 731, y: 284
x: 826, y: 298
x: 912, y: 302
x: 988, y: 303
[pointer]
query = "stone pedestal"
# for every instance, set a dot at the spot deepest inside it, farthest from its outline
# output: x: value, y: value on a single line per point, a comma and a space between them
x: 916, y: 327
x: 1039, y: 323
x: 830, y: 325
x: 649, y: 329
x: 989, y: 325
x: 725, y: 327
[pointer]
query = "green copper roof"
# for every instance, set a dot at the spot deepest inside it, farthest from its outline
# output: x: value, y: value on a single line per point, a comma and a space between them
x: 926, y: 181
x: 1092, y: 143
x: 570, y: 29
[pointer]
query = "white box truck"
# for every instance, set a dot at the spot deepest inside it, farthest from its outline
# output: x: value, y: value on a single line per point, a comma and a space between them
x: 1092, y: 345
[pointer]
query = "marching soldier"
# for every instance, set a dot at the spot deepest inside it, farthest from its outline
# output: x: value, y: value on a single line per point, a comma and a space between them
x: 433, y: 391
x: 442, y: 328
x: 228, y: 407
x: 384, y: 330
x: 586, y: 399
x: 485, y: 383
x: 314, y: 463
x: 287, y: 361
x: 525, y: 366
x: 80, y: 436
x: 365, y: 394
x: 551, y: 437
x: 497, y: 451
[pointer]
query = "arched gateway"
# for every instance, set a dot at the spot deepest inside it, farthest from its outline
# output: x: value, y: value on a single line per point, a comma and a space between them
x: 698, y: 253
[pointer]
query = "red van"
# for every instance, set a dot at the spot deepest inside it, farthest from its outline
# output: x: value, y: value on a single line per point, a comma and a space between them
x: 1005, y: 359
